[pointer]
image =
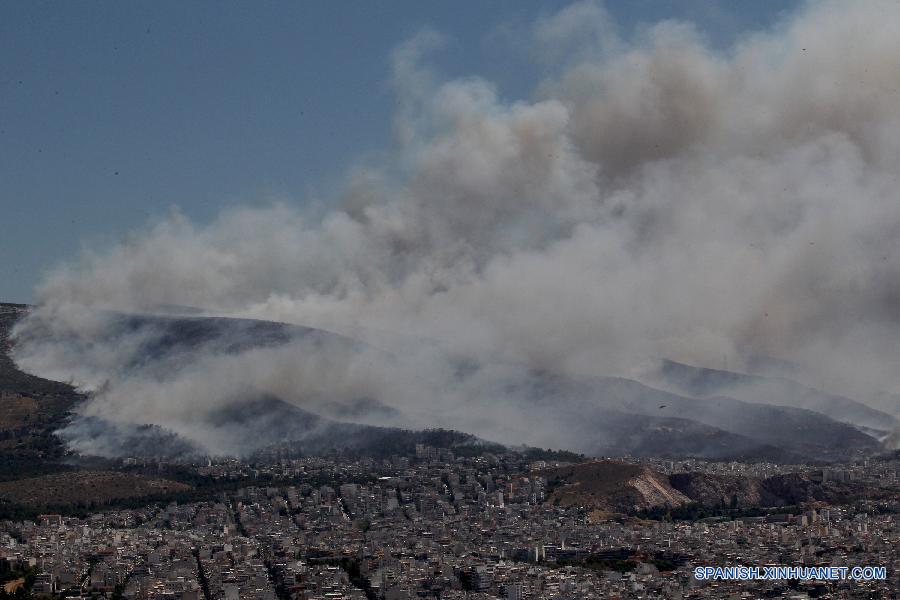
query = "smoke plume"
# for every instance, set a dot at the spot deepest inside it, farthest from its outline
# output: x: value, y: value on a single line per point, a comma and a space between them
x: 655, y: 198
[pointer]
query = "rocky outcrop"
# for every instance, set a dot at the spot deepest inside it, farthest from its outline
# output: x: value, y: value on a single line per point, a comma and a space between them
x: 718, y: 490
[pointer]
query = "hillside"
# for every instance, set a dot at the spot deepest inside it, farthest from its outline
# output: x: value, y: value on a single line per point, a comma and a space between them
x: 35, y: 421
x: 259, y: 424
x: 789, y: 489
x: 85, y: 488
x: 611, y: 486
x: 703, y: 382
x: 718, y: 490
x: 599, y: 416
x: 733, y: 428
x: 31, y: 409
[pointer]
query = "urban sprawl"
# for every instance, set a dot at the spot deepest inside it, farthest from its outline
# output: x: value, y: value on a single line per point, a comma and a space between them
x: 435, y: 525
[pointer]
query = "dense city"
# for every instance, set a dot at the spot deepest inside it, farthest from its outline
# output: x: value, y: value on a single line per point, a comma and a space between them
x: 508, y: 300
x: 442, y: 526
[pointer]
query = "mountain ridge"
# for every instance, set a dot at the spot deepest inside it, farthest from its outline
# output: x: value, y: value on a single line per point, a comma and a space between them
x: 705, y: 382
x: 600, y: 415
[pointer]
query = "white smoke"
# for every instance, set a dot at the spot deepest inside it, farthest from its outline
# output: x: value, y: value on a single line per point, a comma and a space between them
x: 656, y: 198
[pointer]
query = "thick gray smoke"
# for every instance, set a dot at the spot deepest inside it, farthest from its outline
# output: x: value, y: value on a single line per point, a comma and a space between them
x: 656, y: 198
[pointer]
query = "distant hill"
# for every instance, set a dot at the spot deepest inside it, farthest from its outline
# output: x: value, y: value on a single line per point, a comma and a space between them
x: 261, y: 422
x: 35, y: 416
x: 162, y: 343
x: 94, y: 436
x: 160, y: 346
x: 600, y: 416
x: 617, y: 433
x: 702, y: 382
x: 716, y: 427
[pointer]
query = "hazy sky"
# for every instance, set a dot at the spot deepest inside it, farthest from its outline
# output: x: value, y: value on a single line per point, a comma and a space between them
x: 111, y: 112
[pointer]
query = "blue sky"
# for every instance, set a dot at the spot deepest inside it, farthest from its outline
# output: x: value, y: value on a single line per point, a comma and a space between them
x: 112, y: 112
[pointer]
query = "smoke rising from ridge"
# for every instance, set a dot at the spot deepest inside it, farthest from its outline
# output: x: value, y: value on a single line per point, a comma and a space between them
x: 656, y: 198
